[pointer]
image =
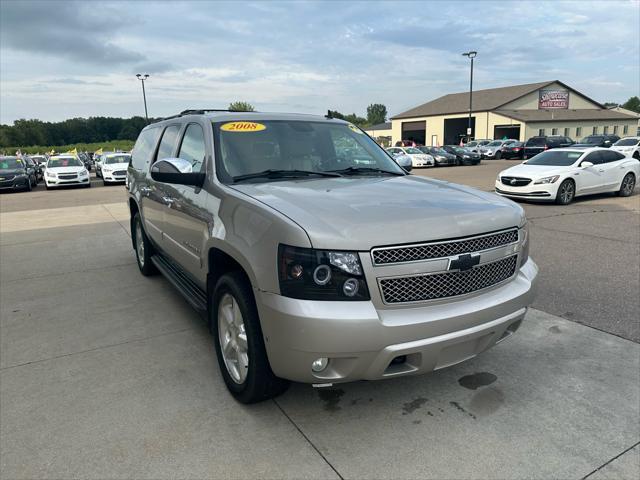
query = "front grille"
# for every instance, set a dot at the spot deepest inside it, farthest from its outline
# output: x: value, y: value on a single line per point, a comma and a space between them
x: 68, y: 176
x: 425, y: 251
x: 120, y: 173
x: 515, y: 181
x: 432, y: 286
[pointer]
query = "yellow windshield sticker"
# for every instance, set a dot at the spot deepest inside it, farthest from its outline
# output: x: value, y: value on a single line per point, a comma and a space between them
x: 18, y: 160
x: 355, y: 129
x: 242, y: 127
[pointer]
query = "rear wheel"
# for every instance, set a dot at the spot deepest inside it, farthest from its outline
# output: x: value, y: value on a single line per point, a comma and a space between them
x: 143, y: 247
x: 627, y: 185
x: 239, y: 343
x: 498, y: 155
x: 566, y: 192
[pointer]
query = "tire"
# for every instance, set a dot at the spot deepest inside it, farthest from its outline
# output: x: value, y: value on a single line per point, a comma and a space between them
x: 29, y: 187
x: 627, y: 185
x: 636, y: 155
x: 566, y: 192
x: 244, y: 368
x: 104, y: 182
x: 498, y: 155
x: 143, y: 248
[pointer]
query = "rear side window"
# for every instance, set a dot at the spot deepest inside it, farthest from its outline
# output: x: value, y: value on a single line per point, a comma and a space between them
x: 144, y: 148
x: 611, y: 156
x: 193, y: 147
x: 537, y: 141
x: 594, y: 157
x: 168, y: 142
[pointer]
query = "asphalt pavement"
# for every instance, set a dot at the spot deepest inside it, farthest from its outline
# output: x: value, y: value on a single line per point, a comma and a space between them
x: 108, y: 374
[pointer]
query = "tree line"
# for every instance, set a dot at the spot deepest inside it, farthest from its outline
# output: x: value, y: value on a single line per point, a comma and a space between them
x: 27, y: 133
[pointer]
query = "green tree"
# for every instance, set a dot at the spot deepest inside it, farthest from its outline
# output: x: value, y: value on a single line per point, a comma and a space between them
x: 632, y: 104
x: 376, y: 113
x: 352, y: 117
x: 241, y: 107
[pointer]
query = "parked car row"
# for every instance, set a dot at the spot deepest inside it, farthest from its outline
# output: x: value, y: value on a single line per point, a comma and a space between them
x: 422, y: 156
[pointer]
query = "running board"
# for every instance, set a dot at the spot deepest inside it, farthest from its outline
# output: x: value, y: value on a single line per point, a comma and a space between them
x: 189, y: 290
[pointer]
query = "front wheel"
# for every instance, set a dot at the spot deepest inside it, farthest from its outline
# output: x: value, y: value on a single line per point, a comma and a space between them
x: 239, y: 343
x: 566, y: 192
x: 627, y: 185
x: 143, y: 247
x: 28, y: 187
x: 498, y: 155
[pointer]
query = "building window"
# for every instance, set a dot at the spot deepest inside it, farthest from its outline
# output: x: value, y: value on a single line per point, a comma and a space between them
x: 566, y: 131
x: 606, y: 129
x: 578, y: 132
x: 541, y: 132
x: 595, y: 130
x: 625, y: 129
x: 554, y: 131
x: 615, y: 129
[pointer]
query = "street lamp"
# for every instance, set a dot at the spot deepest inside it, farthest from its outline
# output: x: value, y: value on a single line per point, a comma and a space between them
x: 471, y: 54
x: 142, y: 78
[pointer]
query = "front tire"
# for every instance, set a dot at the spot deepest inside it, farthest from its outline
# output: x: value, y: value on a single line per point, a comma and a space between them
x: 143, y: 248
x: 498, y: 155
x: 239, y: 343
x: 566, y: 192
x: 627, y: 185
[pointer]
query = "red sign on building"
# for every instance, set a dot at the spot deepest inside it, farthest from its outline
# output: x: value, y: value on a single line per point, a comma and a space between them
x: 553, y: 99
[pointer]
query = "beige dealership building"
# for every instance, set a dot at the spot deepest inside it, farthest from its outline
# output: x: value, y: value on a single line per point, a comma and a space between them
x: 519, y: 112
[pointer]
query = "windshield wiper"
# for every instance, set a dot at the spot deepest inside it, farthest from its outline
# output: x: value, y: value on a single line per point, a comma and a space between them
x: 357, y: 170
x: 274, y: 173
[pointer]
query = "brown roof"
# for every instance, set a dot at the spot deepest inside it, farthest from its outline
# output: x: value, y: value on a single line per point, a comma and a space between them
x: 483, y: 100
x: 558, y: 115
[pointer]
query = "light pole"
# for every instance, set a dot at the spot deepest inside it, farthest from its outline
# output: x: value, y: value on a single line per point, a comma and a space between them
x: 471, y: 54
x: 142, y: 78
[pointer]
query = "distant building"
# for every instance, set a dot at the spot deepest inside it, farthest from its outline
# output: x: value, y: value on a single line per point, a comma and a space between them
x: 519, y: 112
x: 380, y: 132
x: 629, y: 112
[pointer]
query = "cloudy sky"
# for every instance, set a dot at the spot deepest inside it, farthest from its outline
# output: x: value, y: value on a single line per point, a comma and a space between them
x: 67, y: 59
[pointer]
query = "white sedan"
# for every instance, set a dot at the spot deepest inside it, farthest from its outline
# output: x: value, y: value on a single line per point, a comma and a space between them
x: 418, y: 158
x: 630, y: 146
x: 62, y: 170
x: 561, y: 174
x: 113, y: 167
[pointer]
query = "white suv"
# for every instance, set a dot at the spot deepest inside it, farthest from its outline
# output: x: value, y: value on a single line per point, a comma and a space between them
x: 629, y: 146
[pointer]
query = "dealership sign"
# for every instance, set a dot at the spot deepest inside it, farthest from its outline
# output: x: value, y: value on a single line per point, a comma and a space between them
x: 553, y: 99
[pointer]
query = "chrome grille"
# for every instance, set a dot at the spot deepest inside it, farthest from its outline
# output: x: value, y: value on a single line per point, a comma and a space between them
x: 515, y: 181
x: 425, y: 251
x: 431, y: 286
x: 67, y: 176
x: 120, y: 173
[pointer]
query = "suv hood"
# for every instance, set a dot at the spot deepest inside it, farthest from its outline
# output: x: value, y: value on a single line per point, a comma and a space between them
x: 359, y: 213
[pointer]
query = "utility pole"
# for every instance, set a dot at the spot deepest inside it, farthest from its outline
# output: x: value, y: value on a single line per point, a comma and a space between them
x: 142, y: 78
x: 471, y: 54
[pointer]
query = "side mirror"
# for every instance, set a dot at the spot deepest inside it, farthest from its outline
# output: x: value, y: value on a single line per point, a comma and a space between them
x: 176, y: 170
x: 586, y: 164
x: 405, y: 162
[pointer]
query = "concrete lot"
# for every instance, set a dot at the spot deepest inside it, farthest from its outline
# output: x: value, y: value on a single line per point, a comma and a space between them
x: 107, y: 374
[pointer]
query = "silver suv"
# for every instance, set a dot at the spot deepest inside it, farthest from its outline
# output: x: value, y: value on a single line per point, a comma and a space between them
x: 314, y: 257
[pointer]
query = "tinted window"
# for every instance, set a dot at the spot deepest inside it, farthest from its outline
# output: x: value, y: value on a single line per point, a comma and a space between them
x: 627, y: 142
x: 144, y: 148
x: 593, y: 157
x: 560, y: 158
x: 193, y: 147
x: 611, y: 156
x: 537, y: 141
x: 168, y: 142
x: 592, y: 140
x: 494, y: 144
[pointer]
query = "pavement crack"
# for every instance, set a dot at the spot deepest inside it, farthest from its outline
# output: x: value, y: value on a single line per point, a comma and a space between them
x: 102, y: 347
x: 307, y: 439
x: 582, y: 234
x: 614, y: 458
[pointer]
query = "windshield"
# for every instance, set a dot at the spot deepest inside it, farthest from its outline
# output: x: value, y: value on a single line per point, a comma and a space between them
x: 10, y: 163
x: 64, y: 162
x: 472, y: 144
x: 245, y: 147
x: 593, y: 140
x: 627, y: 142
x: 558, y: 158
x: 412, y: 151
x: 494, y: 144
x: 117, y: 159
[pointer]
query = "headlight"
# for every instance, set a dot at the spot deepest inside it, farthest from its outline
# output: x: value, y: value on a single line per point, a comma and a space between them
x: 50, y: 174
x: 551, y: 179
x: 524, y: 246
x: 310, y: 274
x: 465, y: 156
x: 84, y: 173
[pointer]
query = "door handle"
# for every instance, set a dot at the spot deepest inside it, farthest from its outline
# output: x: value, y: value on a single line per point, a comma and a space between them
x: 145, y: 190
x: 168, y: 200
x: 601, y: 170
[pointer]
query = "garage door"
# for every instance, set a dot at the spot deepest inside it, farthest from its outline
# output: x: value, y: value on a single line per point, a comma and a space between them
x: 416, y: 131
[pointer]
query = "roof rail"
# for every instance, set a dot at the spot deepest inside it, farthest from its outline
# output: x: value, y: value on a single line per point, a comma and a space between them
x: 201, y: 111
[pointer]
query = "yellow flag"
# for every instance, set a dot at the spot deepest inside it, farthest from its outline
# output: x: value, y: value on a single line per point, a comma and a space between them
x: 73, y: 152
x: 52, y: 152
x: 98, y: 152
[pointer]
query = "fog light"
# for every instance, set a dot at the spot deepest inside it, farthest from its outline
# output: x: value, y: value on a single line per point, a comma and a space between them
x: 350, y: 287
x: 322, y: 274
x: 320, y: 364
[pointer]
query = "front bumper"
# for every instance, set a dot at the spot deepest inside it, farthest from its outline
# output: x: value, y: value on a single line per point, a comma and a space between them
x: 18, y: 183
x: 545, y: 191
x: 110, y: 177
x: 362, y: 341
x: 57, y: 182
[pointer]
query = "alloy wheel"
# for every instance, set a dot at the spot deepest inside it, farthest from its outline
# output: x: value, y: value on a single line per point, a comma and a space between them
x: 139, y: 244
x: 566, y: 192
x: 233, y: 338
x: 628, y: 184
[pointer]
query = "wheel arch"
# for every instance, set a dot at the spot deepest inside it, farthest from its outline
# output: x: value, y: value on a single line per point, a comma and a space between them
x: 221, y: 261
x: 133, y: 209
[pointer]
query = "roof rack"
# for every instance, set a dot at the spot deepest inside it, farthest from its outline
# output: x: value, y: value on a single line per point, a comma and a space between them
x: 201, y: 111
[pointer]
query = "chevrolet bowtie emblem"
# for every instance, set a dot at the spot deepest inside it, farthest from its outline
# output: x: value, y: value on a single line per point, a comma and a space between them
x: 464, y: 262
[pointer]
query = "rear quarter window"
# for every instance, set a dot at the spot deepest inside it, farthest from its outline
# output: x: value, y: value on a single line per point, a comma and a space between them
x: 144, y: 148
